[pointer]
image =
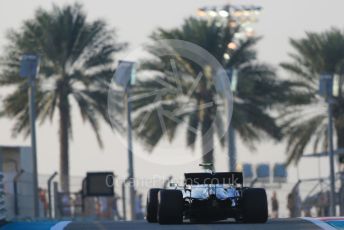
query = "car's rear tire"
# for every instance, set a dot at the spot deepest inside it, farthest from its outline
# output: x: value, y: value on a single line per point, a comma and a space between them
x: 170, y: 207
x: 152, y: 205
x: 254, y: 205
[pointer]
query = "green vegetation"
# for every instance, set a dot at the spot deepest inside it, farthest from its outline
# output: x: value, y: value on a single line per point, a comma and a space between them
x: 76, y: 59
x: 305, y: 121
x: 259, y: 89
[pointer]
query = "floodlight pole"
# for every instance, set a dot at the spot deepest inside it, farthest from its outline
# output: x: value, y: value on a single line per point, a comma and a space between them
x: 331, y: 157
x: 125, y: 77
x: 32, y: 103
x: 326, y: 90
x: 130, y: 154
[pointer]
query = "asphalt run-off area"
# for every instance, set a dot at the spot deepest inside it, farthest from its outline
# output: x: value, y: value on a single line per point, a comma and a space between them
x: 276, y: 224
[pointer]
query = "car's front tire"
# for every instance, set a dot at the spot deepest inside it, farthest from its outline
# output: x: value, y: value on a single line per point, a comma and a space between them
x: 170, y: 207
x: 152, y: 205
x: 254, y: 205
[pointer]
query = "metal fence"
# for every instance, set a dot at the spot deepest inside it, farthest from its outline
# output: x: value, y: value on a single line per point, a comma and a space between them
x: 2, y: 199
x: 312, y: 198
x: 307, y: 197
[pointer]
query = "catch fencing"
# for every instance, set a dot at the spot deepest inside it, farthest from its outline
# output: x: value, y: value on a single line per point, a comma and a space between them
x: 2, y: 199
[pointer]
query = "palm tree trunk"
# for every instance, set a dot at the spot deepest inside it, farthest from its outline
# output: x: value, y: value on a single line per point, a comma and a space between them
x: 64, y: 142
x: 207, y: 141
x: 340, y: 144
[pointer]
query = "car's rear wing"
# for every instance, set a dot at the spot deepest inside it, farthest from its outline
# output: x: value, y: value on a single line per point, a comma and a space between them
x: 214, y: 178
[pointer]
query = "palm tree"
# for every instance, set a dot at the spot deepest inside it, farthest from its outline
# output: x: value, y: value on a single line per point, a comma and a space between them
x: 305, y: 119
x: 76, y: 59
x: 258, y: 90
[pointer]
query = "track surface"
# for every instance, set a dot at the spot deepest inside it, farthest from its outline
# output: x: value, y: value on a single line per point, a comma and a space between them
x: 280, y: 224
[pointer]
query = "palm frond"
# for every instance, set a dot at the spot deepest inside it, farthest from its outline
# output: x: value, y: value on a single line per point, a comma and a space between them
x: 315, y: 54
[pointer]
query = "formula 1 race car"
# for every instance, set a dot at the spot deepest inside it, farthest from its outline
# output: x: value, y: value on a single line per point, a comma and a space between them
x: 207, y: 197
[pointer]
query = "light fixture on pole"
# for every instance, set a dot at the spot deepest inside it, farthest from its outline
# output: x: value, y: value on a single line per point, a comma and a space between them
x: 125, y: 77
x: 238, y: 18
x: 29, y: 68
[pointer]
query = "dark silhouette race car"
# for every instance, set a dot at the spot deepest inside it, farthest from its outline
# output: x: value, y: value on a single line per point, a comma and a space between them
x: 206, y: 197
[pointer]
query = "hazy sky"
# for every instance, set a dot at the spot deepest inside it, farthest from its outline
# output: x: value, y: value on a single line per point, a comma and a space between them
x: 134, y: 21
